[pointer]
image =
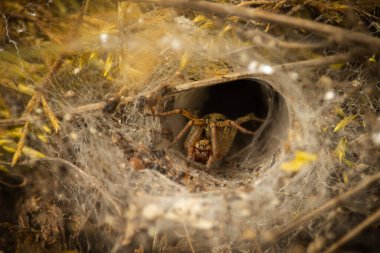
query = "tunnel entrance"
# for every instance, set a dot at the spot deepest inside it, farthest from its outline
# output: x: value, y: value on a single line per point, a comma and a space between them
x: 233, y: 99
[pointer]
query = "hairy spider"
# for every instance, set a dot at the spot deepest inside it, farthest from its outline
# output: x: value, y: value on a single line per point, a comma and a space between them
x: 210, y: 137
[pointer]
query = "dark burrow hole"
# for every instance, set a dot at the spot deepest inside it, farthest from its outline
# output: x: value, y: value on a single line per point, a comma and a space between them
x: 234, y: 99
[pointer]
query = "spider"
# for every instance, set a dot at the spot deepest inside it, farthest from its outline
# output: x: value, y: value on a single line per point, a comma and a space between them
x: 211, y: 137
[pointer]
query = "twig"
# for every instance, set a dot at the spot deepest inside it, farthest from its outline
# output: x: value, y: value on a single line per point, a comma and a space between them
x: 214, y: 81
x: 86, y: 108
x: 283, y: 44
x: 318, y: 62
x: 266, y: 40
x: 335, y: 202
x: 255, y: 2
x: 354, y: 232
x: 340, y: 35
x: 31, y: 118
x: 17, y: 121
x: 188, y: 239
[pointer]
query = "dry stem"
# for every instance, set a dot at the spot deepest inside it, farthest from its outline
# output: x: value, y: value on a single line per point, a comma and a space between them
x: 335, y: 202
x: 318, y: 62
x: 354, y: 232
x: 340, y: 35
x: 266, y: 40
x: 255, y: 2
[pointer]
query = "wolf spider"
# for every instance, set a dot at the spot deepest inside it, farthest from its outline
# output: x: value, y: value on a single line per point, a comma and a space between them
x: 210, y: 137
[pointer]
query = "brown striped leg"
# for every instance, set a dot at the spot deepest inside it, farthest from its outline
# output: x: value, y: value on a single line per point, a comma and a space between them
x: 183, y: 112
x: 248, y: 117
x: 232, y: 123
x: 214, y: 141
x: 183, y: 131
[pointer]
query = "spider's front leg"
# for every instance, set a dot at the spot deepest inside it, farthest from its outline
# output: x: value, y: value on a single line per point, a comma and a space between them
x: 183, y: 112
x: 214, y: 145
x: 241, y: 120
x: 183, y: 131
x: 232, y: 123
x: 248, y: 117
x: 193, y: 138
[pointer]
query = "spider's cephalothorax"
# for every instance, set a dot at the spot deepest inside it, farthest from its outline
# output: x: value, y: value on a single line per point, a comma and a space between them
x: 210, y: 137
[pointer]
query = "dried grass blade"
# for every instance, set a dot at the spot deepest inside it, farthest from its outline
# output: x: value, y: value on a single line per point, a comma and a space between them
x: 20, y: 144
x: 344, y: 122
x: 31, y: 104
x: 50, y: 114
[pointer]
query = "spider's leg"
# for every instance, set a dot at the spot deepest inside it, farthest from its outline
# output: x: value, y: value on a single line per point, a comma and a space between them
x: 234, y: 124
x: 248, y: 117
x: 183, y: 112
x: 209, y: 162
x: 193, y: 137
x: 183, y: 131
x: 214, y: 141
x: 214, y: 145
